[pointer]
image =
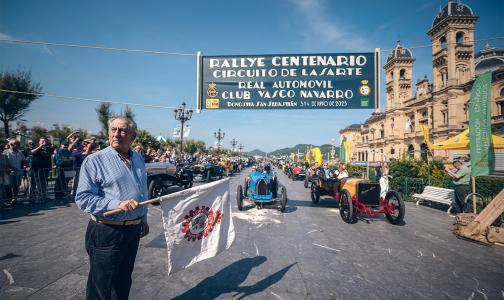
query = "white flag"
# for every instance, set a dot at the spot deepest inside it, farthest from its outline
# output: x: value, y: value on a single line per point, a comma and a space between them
x: 197, y: 223
x: 408, y: 124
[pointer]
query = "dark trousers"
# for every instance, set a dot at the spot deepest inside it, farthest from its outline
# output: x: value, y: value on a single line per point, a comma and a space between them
x: 112, y: 251
x: 461, y: 192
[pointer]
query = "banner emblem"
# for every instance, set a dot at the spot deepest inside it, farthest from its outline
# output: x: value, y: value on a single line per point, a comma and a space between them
x: 200, y: 222
x: 364, y: 89
x: 212, y: 90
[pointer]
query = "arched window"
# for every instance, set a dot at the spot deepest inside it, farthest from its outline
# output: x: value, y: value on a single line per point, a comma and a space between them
x: 411, y: 151
x: 392, y: 151
x: 402, y: 74
x: 459, y: 38
x: 392, y: 75
x: 443, y: 42
x: 423, y: 151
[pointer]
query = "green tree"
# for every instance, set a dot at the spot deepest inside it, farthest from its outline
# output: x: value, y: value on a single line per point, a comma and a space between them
x: 128, y: 113
x: 37, y: 132
x: 146, y: 140
x: 104, y: 114
x: 14, y: 105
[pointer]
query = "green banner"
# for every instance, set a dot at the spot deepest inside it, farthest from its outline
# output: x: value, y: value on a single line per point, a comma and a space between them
x: 343, y: 151
x: 480, y: 131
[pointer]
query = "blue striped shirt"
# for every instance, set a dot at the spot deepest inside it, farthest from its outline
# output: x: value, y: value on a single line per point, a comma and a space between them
x: 105, y: 181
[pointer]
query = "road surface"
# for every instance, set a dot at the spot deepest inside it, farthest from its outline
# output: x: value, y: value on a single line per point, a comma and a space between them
x: 308, y: 252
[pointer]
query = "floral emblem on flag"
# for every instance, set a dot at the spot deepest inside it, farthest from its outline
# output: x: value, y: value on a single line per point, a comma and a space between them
x: 200, y: 222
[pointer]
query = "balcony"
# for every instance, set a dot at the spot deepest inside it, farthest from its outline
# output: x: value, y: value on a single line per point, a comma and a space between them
x: 439, y: 58
x: 498, y: 119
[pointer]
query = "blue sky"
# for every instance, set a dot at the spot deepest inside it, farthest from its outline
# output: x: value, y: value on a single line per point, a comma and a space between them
x: 215, y: 28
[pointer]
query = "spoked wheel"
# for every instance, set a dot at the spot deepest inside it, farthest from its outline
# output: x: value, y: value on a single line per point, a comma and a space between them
x: 397, y: 215
x: 315, y: 193
x: 346, y: 207
x: 283, y: 199
x: 239, y: 197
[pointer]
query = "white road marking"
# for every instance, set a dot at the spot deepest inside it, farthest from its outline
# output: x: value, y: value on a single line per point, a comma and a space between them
x: 260, y: 225
x: 9, y: 276
x: 311, y: 231
x: 277, y: 296
x: 326, y: 247
x: 472, y: 296
x: 389, y: 251
x: 421, y: 254
x: 433, y: 255
x: 478, y: 290
x: 257, y: 249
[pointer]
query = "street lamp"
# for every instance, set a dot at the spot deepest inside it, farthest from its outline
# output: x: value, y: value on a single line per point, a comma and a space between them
x: 234, y: 142
x: 219, y: 135
x: 240, y: 148
x: 182, y: 115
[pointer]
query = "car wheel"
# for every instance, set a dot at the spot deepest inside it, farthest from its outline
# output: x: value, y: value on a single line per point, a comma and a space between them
x: 398, y: 212
x: 283, y: 199
x: 346, y: 207
x: 188, y: 185
x: 239, y: 198
x: 315, y: 193
x: 274, y: 191
x: 306, y: 182
x: 246, y: 190
x: 209, y: 176
x: 156, y: 189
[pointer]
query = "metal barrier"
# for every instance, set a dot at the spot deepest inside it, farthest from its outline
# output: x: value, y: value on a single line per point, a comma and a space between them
x: 39, y: 185
x: 407, y: 186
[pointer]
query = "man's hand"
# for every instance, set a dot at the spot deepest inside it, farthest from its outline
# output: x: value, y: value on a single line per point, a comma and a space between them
x: 128, y: 205
x: 145, y: 229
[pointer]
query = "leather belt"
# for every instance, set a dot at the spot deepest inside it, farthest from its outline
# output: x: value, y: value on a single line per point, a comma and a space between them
x: 120, y: 223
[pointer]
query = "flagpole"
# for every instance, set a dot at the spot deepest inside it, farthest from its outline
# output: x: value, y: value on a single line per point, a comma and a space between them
x: 118, y: 210
x: 473, y: 179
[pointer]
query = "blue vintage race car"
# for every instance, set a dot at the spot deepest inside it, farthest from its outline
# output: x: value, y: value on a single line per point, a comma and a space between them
x: 261, y: 188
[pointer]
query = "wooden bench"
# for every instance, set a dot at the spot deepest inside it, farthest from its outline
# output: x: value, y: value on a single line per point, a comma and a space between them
x: 437, y: 194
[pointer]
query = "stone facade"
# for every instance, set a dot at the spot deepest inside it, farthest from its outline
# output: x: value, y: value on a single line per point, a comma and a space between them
x: 442, y: 104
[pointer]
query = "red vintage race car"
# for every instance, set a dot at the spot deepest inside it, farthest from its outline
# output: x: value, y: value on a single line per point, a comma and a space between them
x: 360, y: 197
x: 298, y: 173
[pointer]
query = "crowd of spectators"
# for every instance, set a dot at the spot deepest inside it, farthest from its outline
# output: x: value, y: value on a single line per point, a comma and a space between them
x: 26, y: 169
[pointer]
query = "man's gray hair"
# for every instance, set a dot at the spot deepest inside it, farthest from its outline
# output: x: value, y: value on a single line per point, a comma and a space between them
x: 132, y: 126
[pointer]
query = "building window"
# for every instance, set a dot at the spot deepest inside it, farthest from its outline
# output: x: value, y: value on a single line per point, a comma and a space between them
x: 411, y: 151
x: 445, y: 117
x: 392, y: 75
x: 402, y: 74
x: 466, y: 111
x: 500, y: 109
x: 460, y: 38
x: 443, y: 42
x: 392, y: 151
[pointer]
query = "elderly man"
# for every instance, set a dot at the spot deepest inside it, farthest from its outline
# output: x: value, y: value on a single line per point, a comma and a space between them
x: 113, y: 178
x: 15, y: 159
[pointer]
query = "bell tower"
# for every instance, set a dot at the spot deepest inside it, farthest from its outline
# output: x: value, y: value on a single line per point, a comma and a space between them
x: 398, y: 76
x: 452, y: 39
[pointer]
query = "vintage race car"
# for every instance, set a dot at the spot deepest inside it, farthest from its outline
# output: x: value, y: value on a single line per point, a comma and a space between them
x: 208, y: 170
x: 359, y: 196
x: 261, y: 188
x: 297, y: 173
x: 162, y: 175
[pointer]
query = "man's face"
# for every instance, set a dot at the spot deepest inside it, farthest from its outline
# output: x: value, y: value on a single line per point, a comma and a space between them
x: 326, y: 166
x: 120, y: 136
x: 14, y: 145
x: 457, y: 165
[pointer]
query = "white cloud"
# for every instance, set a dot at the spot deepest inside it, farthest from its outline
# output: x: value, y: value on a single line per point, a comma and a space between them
x: 320, y: 29
x: 4, y: 36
